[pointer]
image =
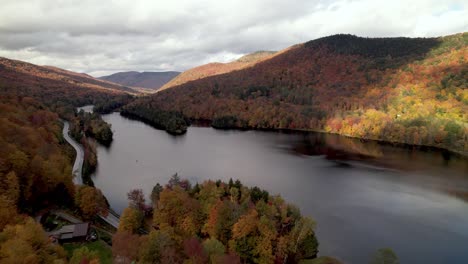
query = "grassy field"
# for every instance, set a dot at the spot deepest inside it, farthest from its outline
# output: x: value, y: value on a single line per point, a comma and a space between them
x: 104, y: 251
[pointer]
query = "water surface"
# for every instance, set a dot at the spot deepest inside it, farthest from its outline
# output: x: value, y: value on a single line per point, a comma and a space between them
x: 363, y: 195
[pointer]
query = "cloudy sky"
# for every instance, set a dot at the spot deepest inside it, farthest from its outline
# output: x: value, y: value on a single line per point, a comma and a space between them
x: 102, y: 37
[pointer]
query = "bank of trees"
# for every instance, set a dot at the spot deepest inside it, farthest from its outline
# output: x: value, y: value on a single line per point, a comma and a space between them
x: 113, y: 104
x: 36, y: 161
x: 91, y: 125
x: 34, y: 167
x: 87, y: 129
x: 171, y: 121
x: 226, y: 122
x: 399, y: 90
x: 35, y: 171
x: 215, y: 222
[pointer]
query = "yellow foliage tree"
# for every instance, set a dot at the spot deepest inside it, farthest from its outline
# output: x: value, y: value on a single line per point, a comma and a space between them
x: 90, y: 201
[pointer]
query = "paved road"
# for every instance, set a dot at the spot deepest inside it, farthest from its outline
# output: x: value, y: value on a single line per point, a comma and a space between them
x: 66, y: 216
x: 78, y: 165
x: 111, y: 219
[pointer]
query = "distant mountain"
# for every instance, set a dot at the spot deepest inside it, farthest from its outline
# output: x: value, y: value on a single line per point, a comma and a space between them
x: 217, y: 68
x: 151, y: 80
x: 401, y: 90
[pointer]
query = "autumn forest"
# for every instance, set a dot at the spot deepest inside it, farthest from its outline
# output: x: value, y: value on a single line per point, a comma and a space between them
x: 410, y: 92
x: 401, y: 90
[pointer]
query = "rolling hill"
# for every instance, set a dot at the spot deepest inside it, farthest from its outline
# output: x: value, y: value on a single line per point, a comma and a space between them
x: 400, y: 90
x: 33, y: 74
x: 54, y: 86
x: 217, y: 68
x: 151, y: 80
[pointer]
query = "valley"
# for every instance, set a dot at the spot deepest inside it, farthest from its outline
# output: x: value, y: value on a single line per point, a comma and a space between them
x: 363, y: 195
x: 340, y: 147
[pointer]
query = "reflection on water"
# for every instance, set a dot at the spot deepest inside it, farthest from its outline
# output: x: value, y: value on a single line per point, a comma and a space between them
x: 336, y: 147
x: 363, y: 195
x: 428, y: 165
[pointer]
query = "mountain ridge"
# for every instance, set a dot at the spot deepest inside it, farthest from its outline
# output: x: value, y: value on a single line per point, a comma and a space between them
x: 10, y: 67
x: 61, y: 90
x: 150, y: 80
x: 217, y: 68
x: 402, y: 90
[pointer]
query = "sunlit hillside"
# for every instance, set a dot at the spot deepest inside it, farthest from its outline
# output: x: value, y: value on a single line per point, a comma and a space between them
x: 393, y: 89
x: 217, y: 68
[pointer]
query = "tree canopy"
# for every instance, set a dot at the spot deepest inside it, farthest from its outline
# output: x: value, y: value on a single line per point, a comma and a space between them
x: 212, y: 223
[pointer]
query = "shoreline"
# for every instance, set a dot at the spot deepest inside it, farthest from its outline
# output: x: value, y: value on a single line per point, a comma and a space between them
x: 207, y: 123
x: 112, y: 218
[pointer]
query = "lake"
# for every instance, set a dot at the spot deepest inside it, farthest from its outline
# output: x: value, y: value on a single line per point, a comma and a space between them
x: 363, y: 195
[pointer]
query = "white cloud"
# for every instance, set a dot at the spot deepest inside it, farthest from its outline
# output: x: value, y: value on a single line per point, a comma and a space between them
x: 101, y: 37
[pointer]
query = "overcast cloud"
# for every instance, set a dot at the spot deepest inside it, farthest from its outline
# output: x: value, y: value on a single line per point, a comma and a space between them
x: 102, y: 37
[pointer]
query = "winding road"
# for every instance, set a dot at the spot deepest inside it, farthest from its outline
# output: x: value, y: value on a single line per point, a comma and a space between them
x: 111, y: 219
x: 78, y: 165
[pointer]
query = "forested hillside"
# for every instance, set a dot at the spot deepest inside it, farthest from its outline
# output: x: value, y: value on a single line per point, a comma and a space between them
x: 35, y: 160
x: 30, y: 93
x: 55, y: 87
x: 402, y: 90
x: 33, y: 75
x: 35, y: 170
x: 61, y: 91
x: 216, y: 68
x: 34, y: 167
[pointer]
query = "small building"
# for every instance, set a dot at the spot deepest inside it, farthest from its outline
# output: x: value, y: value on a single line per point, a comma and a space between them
x: 71, y: 233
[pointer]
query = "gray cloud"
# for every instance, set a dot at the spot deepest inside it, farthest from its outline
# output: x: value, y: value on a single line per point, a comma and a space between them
x: 99, y: 37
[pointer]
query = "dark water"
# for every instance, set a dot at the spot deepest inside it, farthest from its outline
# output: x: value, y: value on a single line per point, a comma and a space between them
x: 364, y: 196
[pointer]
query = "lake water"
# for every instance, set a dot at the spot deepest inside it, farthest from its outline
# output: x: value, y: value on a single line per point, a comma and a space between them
x: 363, y: 195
